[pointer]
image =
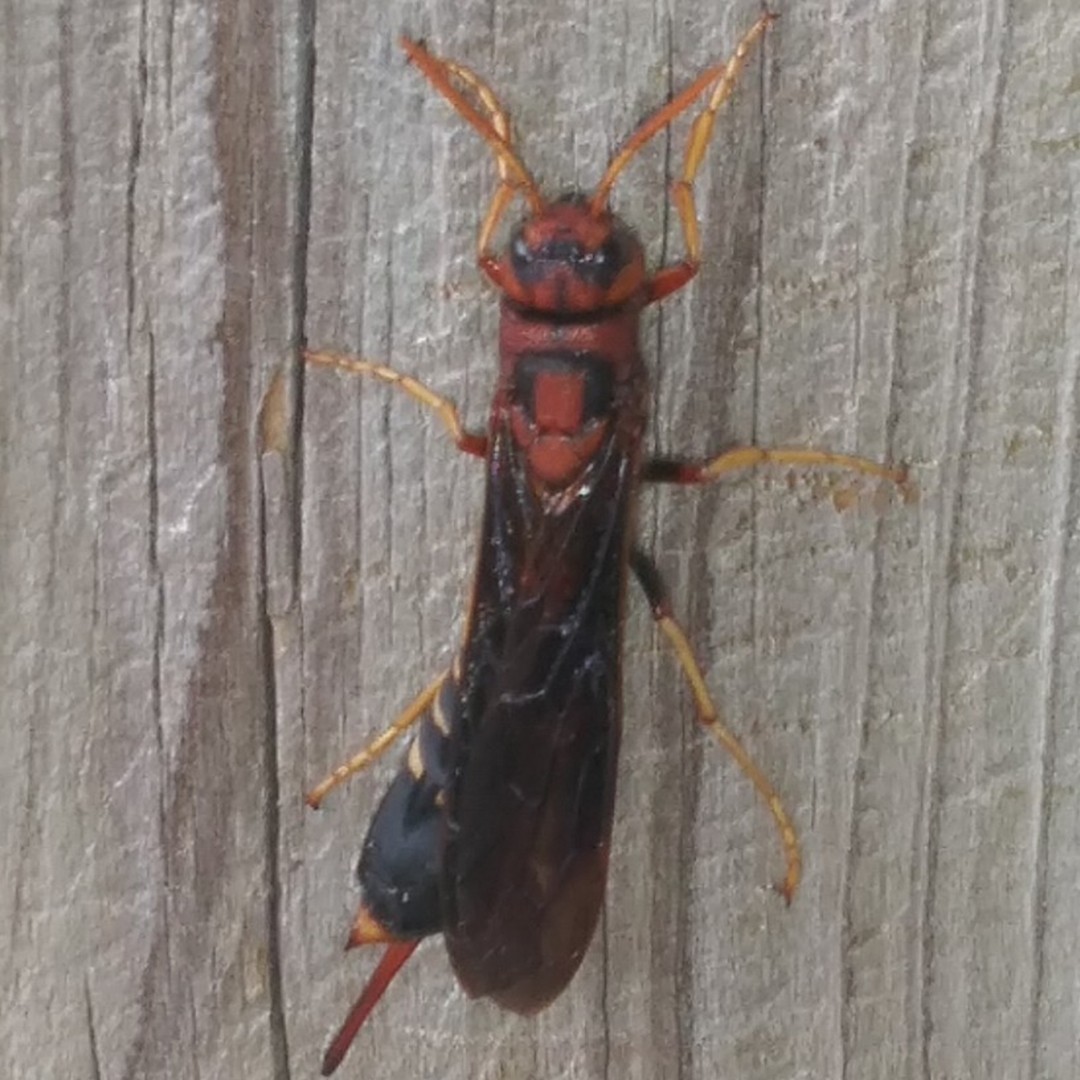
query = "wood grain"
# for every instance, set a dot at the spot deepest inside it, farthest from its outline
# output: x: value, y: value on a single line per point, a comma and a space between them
x: 221, y: 573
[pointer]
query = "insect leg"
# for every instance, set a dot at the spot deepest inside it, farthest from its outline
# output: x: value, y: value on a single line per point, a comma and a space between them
x: 648, y: 575
x: 391, y: 962
x: 378, y: 746
x: 670, y: 278
x: 471, y: 442
x: 677, y: 471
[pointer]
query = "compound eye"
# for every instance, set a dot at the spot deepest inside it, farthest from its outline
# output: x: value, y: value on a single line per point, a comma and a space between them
x: 520, y: 253
x: 602, y: 266
x: 609, y: 256
x: 595, y: 259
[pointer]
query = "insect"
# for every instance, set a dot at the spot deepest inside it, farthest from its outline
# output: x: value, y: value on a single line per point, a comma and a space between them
x: 496, y: 829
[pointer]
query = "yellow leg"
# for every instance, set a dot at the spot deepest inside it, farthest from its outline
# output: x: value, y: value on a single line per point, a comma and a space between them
x: 744, y: 457
x: 709, y: 717
x: 377, y: 747
x: 470, y: 442
x: 672, y: 471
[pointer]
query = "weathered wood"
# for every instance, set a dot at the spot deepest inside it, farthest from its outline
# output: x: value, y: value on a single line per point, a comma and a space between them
x: 215, y: 585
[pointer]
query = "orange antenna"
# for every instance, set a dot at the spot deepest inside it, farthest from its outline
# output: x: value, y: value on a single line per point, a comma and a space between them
x: 439, y: 74
x: 655, y: 123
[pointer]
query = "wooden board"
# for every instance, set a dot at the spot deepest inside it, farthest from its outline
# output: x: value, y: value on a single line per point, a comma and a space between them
x: 221, y: 573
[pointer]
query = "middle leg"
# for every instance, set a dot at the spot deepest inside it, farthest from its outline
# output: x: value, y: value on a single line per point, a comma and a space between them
x: 680, y: 471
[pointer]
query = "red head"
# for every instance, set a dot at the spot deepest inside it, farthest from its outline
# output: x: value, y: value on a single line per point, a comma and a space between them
x: 569, y: 258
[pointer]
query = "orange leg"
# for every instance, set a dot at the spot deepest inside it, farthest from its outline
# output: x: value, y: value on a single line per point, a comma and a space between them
x: 471, y: 442
x: 378, y: 746
x: 645, y: 570
x: 675, y: 471
x: 670, y: 278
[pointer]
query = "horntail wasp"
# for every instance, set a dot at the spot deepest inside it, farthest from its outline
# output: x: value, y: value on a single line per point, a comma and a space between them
x: 496, y: 830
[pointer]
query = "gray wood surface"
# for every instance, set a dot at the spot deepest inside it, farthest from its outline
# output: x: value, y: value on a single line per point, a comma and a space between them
x: 219, y: 573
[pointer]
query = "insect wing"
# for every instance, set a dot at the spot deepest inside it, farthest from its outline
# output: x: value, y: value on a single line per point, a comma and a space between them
x: 533, y: 773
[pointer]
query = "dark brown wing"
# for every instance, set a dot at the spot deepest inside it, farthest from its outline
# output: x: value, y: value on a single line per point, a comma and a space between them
x: 532, y: 778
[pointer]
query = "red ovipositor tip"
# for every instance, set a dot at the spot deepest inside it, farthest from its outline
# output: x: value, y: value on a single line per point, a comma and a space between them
x: 389, y: 965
